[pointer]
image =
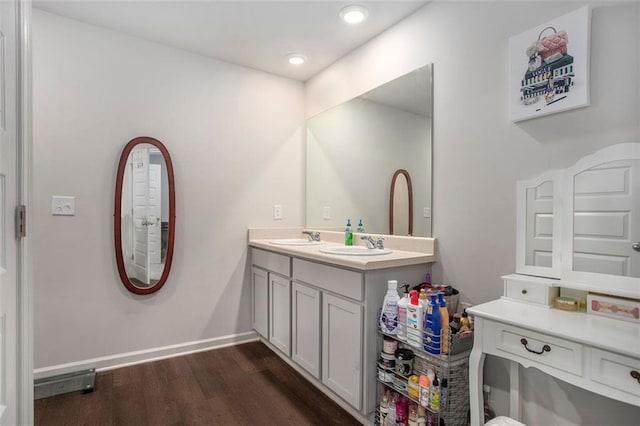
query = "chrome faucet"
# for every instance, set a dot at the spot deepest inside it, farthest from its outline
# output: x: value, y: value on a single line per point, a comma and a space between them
x: 313, y: 236
x: 371, y: 243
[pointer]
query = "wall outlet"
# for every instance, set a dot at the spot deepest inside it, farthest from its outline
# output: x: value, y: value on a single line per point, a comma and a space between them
x: 63, y: 205
x: 426, y: 212
x: 277, y: 212
x: 326, y: 213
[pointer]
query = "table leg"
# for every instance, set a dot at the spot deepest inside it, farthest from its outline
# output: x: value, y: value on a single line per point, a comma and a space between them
x: 476, y: 368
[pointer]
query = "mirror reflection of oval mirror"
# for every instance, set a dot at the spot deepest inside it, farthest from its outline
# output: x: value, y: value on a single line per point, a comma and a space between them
x: 144, y: 224
x: 401, y: 204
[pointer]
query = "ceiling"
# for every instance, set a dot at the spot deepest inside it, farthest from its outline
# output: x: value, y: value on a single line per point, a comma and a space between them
x: 255, y: 34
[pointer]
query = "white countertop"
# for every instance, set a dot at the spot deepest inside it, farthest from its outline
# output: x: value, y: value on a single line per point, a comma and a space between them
x: 406, y: 250
x: 607, y: 333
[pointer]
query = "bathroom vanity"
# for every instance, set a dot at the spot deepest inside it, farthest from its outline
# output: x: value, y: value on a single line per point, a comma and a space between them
x: 577, y: 232
x: 320, y: 311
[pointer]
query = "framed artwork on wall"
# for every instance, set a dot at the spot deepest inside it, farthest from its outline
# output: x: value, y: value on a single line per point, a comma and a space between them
x: 549, y: 66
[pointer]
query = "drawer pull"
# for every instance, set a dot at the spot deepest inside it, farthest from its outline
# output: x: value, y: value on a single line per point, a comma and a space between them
x: 545, y: 348
x: 524, y: 291
x: 636, y: 375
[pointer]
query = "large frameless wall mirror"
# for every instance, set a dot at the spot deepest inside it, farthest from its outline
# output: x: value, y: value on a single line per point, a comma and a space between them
x: 144, y: 225
x: 355, y: 148
x: 580, y: 224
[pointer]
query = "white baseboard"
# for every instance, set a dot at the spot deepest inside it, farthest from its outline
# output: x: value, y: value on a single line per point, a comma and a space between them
x: 138, y: 357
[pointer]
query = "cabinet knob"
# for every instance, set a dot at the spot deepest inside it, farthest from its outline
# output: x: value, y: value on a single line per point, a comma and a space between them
x: 636, y: 246
x: 636, y: 375
x: 524, y: 291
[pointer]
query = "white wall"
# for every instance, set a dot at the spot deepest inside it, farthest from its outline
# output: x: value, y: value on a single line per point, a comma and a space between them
x: 235, y: 138
x: 479, y: 154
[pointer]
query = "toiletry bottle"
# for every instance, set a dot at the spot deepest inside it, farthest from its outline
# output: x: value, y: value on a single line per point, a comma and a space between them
x: 402, y: 410
x: 402, y: 314
x: 433, y: 327
x: 384, y: 408
x: 425, y: 384
x: 434, y: 396
x: 414, y: 320
x: 422, y: 416
x: 389, y: 314
x: 348, y: 234
x: 360, y: 227
x: 391, y: 416
x: 444, y: 393
x: 413, y: 415
x: 444, y: 323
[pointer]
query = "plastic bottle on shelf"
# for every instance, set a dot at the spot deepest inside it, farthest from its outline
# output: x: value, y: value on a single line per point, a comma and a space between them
x: 402, y: 410
x: 389, y: 314
x: 422, y: 416
x: 425, y: 385
x: 402, y: 314
x: 444, y: 393
x: 433, y: 327
x: 434, y: 396
x: 360, y: 228
x: 391, y: 416
x: 414, y: 320
x: 444, y: 323
x: 413, y: 415
x: 384, y: 408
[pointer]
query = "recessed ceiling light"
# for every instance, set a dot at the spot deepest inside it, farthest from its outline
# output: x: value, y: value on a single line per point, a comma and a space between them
x: 296, y: 59
x: 354, y: 14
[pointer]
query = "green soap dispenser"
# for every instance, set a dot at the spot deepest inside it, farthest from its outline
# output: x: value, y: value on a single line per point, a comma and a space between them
x: 348, y: 234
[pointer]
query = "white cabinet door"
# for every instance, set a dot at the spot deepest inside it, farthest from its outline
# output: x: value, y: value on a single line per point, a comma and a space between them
x: 342, y: 348
x: 305, y: 322
x: 259, y: 301
x: 279, y: 313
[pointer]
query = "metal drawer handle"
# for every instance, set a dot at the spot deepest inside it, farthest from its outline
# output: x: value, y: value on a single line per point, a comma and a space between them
x: 636, y: 375
x: 636, y: 246
x: 545, y: 348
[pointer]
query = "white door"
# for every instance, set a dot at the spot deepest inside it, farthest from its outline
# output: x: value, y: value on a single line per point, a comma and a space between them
x: 16, y: 385
x: 140, y: 184
x: 604, y: 228
x: 539, y: 227
x: 154, y: 234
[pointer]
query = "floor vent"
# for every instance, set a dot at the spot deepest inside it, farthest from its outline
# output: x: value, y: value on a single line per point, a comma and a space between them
x: 64, y: 383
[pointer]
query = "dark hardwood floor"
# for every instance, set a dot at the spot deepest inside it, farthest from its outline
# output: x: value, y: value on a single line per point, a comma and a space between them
x: 240, y: 385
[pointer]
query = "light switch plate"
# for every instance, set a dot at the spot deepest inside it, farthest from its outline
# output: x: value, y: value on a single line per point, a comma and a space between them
x: 326, y: 213
x: 426, y: 212
x: 277, y: 212
x: 63, y: 205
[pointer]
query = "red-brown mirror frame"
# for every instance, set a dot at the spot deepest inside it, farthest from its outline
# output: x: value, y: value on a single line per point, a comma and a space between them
x: 117, y: 226
x: 393, y: 190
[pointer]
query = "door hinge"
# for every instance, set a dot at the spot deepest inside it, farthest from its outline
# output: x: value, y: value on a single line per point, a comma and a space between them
x: 21, y: 221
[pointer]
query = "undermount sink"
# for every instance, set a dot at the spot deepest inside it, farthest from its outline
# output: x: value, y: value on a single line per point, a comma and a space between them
x: 355, y: 251
x: 295, y: 242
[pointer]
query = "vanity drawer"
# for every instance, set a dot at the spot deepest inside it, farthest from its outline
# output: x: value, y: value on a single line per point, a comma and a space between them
x: 561, y: 354
x: 340, y: 281
x: 616, y: 371
x: 530, y: 291
x: 271, y: 261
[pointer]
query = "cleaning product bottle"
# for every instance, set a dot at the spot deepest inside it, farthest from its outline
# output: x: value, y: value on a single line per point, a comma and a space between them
x: 444, y: 393
x: 348, y: 234
x: 444, y: 323
x: 414, y: 320
x: 433, y: 327
x: 402, y: 314
x: 360, y: 227
x: 434, y: 396
x: 389, y: 314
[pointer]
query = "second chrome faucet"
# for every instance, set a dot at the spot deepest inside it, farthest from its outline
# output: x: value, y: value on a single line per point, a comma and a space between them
x: 371, y: 243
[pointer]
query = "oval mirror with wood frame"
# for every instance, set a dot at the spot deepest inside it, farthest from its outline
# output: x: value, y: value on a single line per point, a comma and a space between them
x: 144, y: 216
x: 401, y: 204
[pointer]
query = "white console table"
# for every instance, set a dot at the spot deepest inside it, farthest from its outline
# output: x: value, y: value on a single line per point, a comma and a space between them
x: 599, y: 354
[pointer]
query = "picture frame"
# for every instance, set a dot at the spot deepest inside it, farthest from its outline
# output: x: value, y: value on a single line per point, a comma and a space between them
x: 549, y: 66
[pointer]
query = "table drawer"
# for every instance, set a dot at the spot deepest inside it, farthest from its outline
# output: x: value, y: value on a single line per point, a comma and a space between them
x: 616, y: 371
x: 340, y: 281
x: 271, y: 261
x: 540, y: 348
x: 531, y: 292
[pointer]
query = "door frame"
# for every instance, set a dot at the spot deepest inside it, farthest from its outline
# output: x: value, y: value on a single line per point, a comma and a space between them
x: 24, y: 175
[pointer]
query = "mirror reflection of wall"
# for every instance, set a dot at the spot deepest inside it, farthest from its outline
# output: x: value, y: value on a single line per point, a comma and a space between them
x: 354, y: 149
x: 539, y: 225
x: 605, y: 228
